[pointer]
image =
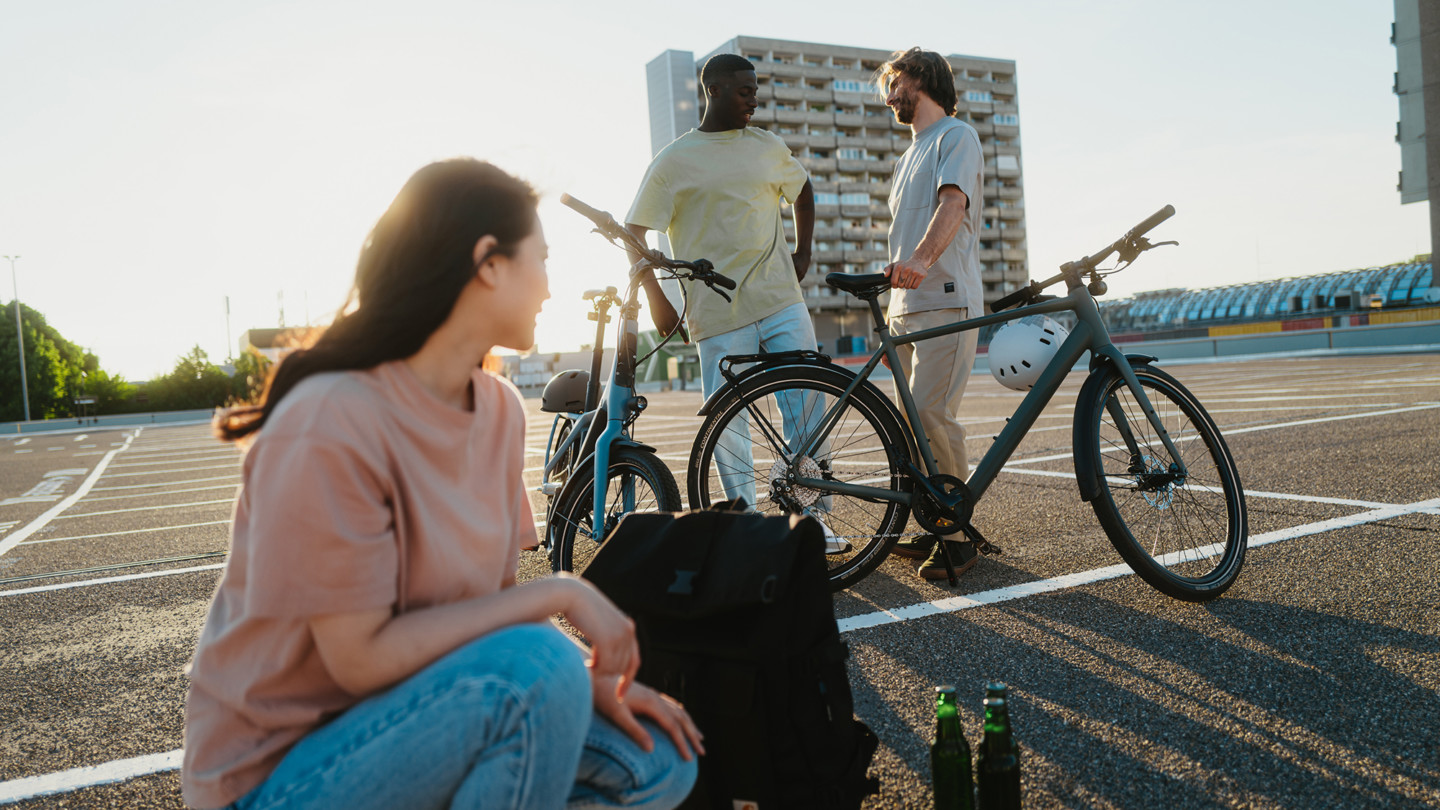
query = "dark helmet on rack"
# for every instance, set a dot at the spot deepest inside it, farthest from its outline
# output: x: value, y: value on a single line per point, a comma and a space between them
x: 565, y: 393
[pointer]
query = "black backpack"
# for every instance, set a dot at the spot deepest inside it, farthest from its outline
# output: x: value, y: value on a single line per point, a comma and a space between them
x: 735, y: 620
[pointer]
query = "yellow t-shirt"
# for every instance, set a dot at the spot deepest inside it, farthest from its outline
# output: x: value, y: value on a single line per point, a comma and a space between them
x: 717, y: 196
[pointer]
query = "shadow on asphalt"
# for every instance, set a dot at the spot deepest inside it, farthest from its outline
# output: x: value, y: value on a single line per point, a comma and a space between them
x: 1235, y: 703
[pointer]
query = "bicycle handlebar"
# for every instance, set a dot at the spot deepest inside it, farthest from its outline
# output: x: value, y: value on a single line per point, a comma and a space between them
x: 1129, y: 243
x: 701, y: 270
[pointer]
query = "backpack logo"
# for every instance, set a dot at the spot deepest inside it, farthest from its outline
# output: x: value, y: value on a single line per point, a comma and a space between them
x: 684, y: 583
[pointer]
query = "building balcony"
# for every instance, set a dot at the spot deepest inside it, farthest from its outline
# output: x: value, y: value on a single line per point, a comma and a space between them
x: 850, y: 120
x: 827, y: 256
x: 849, y: 140
x: 816, y: 165
x: 1007, y: 131
x: 1013, y: 255
x: 1012, y: 213
x: 866, y: 255
x: 855, y: 187
x: 988, y: 255
x: 1012, y: 193
x: 788, y: 93
x: 825, y: 95
x: 820, y: 141
x: 763, y: 115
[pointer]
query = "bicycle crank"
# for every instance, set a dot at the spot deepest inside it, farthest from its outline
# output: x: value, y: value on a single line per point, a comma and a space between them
x: 930, y: 508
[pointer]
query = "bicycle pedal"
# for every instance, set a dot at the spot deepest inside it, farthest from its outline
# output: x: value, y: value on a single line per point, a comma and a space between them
x: 988, y: 548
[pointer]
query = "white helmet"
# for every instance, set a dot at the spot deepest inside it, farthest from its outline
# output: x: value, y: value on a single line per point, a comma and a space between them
x: 1022, y: 348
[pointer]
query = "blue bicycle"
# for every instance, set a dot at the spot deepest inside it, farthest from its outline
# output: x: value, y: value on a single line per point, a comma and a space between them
x: 594, y: 429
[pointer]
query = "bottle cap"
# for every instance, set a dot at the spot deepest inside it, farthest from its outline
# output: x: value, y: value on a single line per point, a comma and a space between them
x: 945, y: 688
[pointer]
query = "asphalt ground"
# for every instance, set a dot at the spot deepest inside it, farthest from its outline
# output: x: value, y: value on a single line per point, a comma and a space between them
x: 1314, y: 682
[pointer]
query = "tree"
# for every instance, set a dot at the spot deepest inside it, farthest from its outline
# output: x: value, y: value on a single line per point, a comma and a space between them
x: 55, y: 368
x: 252, y: 369
x: 195, y: 383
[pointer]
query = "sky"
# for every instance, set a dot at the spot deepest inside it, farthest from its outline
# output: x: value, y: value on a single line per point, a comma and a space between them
x: 160, y: 157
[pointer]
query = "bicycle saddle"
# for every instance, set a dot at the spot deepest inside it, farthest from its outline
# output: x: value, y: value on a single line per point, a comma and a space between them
x: 864, y: 286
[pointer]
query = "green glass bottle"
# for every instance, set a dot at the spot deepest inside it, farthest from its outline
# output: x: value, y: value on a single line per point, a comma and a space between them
x: 950, y: 756
x: 999, y: 760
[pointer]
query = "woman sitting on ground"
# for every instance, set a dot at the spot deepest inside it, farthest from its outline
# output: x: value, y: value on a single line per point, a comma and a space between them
x: 368, y: 646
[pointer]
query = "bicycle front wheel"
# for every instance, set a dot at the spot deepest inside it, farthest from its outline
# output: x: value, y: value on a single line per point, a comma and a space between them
x: 746, y: 446
x: 637, y: 481
x: 1183, y: 533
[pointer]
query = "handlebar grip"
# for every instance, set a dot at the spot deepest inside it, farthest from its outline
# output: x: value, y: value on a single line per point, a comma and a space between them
x: 723, y: 281
x: 1151, y: 221
x: 600, y: 218
x: 1012, y: 299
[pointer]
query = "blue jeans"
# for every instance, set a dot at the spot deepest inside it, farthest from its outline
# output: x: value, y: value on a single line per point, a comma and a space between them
x: 502, y: 722
x: 790, y: 329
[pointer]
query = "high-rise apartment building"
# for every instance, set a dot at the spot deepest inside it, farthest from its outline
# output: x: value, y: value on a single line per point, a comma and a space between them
x: 823, y: 101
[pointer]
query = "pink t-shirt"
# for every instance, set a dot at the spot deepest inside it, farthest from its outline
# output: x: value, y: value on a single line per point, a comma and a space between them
x: 363, y: 490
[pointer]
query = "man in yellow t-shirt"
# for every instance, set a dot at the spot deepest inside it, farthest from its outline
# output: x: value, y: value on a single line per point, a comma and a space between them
x: 716, y: 192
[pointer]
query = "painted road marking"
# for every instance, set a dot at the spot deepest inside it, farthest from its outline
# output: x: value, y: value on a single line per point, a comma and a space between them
x: 127, y: 531
x: 119, y: 770
x: 40, y: 522
x: 48, y: 490
x: 65, y: 781
x: 1010, y: 593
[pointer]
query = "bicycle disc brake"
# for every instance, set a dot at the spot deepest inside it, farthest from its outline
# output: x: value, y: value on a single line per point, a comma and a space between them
x: 934, y: 516
x: 781, y: 479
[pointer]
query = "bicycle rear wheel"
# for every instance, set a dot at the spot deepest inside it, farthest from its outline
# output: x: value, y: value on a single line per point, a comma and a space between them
x: 745, y: 448
x: 1184, y: 535
x: 637, y: 481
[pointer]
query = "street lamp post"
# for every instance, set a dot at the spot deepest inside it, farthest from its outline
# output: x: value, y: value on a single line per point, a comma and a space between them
x: 20, y: 339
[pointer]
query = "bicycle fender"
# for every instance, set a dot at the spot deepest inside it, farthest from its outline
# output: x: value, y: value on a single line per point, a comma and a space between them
x: 1087, y: 474
x: 781, y: 361
x: 589, y: 461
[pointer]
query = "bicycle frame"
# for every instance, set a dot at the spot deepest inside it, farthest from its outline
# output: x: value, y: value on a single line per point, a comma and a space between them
x: 1089, y: 335
x: 619, y: 397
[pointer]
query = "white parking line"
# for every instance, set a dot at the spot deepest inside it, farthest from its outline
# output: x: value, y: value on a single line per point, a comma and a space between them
x: 109, y: 581
x: 50, y: 514
x: 145, y: 509
x: 65, y: 781
x: 119, y: 770
x: 234, y: 477
x: 127, y: 531
x: 166, y: 492
x: 991, y: 597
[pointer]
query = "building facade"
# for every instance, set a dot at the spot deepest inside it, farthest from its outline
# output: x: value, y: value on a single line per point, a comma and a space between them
x: 822, y: 99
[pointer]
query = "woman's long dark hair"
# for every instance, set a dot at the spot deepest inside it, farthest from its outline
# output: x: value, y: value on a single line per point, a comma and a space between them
x: 416, y: 261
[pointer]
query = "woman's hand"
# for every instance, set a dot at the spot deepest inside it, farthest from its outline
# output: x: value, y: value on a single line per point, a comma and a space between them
x: 663, y: 710
x: 614, y: 651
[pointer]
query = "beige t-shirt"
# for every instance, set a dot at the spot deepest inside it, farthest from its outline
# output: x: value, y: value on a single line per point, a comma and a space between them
x: 717, y: 196
x: 362, y: 491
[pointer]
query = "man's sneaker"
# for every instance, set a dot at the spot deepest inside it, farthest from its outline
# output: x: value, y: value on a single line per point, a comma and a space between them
x: 914, y: 548
x: 833, y: 544
x: 962, y: 555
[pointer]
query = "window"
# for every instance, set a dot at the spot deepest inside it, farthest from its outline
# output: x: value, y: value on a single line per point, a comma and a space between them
x: 854, y: 199
x: 849, y: 86
x: 827, y: 198
x: 1007, y: 119
x: 850, y: 153
x: 1007, y: 162
x: 978, y: 95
